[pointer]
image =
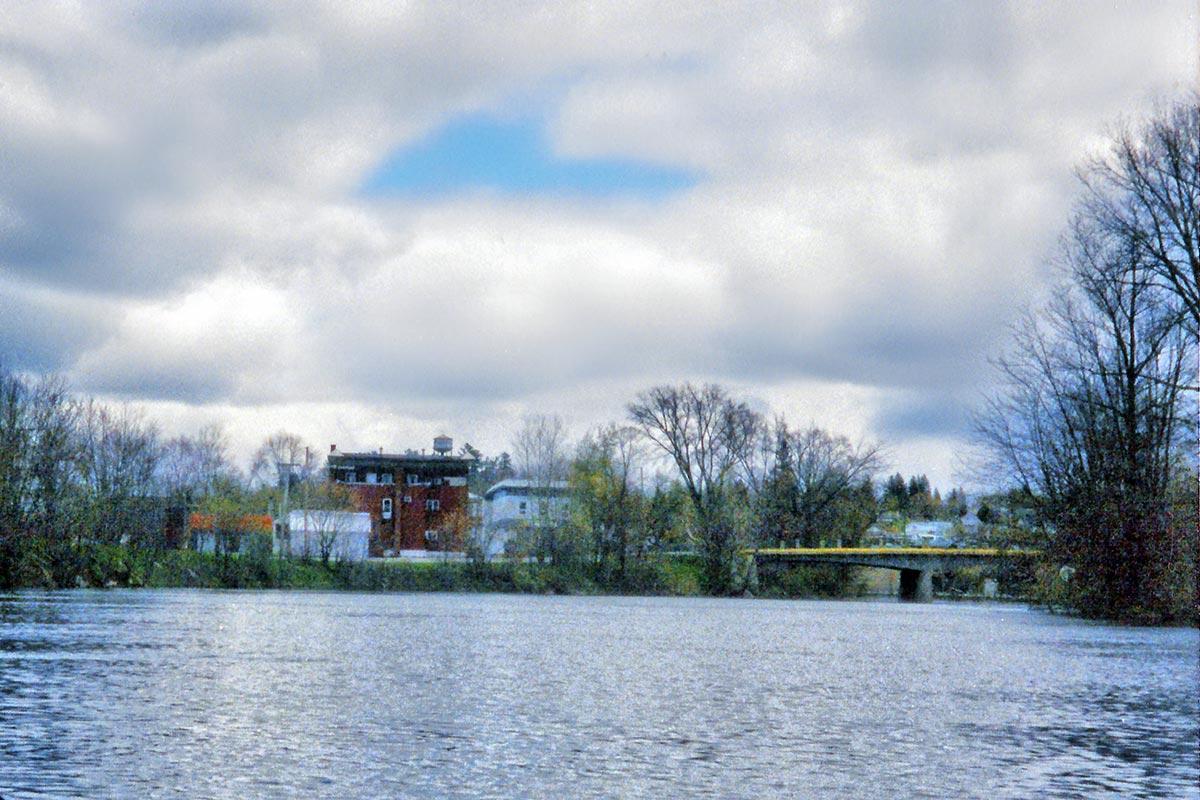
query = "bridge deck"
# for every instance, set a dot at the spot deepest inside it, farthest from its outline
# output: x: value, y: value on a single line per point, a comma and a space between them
x: 916, y: 564
x: 834, y: 552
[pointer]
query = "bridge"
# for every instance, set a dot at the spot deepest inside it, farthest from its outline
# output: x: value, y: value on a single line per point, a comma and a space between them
x: 915, y: 564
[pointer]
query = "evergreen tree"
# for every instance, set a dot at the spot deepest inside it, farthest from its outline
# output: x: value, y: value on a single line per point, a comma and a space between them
x: 895, y: 496
x: 780, y: 498
x: 920, y: 501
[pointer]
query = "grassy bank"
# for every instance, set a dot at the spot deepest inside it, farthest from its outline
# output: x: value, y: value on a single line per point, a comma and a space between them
x: 55, y: 565
x: 42, y: 565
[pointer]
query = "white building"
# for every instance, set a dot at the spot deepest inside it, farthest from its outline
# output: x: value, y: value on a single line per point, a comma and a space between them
x: 515, y: 505
x: 931, y: 533
x: 345, y: 534
x: 971, y: 524
x: 878, y: 535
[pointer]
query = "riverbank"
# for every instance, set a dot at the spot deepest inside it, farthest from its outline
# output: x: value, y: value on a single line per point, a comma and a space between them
x: 112, y: 566
x: 115, y: 566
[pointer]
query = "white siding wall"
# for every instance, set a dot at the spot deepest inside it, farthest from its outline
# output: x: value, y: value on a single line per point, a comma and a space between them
x: 353, y: 533
x: 503, y: 513
x: 936, y: 533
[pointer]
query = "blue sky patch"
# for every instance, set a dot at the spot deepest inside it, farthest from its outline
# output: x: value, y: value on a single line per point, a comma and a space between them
x: 480, y: 152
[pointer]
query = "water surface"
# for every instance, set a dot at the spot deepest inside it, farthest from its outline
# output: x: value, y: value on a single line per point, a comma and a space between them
x: 203, y: 694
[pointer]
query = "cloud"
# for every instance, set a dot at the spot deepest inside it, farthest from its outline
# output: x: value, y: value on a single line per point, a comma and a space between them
x: 909, y: 415
x: 876, y: 189
x: 43, y: 329
x: 189, y: 26
x: 229, y: 340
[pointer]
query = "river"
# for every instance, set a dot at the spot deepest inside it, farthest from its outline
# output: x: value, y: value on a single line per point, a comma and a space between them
x: 201, y: 694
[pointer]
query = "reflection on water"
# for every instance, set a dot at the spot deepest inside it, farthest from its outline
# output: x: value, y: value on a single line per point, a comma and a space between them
x: 205, y: 694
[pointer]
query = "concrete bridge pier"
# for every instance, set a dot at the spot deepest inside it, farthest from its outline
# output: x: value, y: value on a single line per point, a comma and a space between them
x: 916, y: 585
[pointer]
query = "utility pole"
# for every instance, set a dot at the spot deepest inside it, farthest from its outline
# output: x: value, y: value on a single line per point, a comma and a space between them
x: 284, y: 469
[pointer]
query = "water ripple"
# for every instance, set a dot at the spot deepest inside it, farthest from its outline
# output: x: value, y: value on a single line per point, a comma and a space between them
x: 220, y: 694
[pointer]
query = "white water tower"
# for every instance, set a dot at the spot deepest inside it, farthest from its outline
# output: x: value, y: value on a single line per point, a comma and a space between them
x: 443, y: 445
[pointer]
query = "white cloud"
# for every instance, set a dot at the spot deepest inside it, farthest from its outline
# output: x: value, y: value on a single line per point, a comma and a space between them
x: 879, y: 187
x: 225, y: 340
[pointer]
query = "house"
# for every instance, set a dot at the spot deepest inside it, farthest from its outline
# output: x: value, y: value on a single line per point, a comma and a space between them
x: 146, y: 521
x: 517, y: 504
x: 233, y: 535
x: 415, y: 500
x: 888, y: 518
x: 931, y: 533
x: 971, y: 526
x: 319, y: 533
x: 879, y: 536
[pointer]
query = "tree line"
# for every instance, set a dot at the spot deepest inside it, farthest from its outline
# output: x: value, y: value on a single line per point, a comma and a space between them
x: 75, y: 472
x: 723, y: 478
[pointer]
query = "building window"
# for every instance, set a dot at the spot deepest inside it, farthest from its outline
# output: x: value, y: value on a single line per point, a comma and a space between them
x: 433, y: 505
x: 370, y: 477
x: 386, y: 508
x: 523, y: 507
x: 350, y: 476
x: 413, y: 479
x: 386, y: 478
x: 431, y: 536
x: 408, y: 498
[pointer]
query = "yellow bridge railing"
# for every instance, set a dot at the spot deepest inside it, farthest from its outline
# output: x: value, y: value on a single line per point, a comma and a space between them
x: 977, y: 552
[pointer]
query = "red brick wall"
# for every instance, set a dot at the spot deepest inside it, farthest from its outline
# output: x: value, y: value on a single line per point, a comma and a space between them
x: 369, y: 498
x: 413, y: 519
x: 406, y: 529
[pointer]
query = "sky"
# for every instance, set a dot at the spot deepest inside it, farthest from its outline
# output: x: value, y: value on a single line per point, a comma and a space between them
x: 370, y: 223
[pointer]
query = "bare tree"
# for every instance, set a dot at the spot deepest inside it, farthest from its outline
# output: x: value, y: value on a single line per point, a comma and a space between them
x: 14, y: 447
x: 283, y: 461
x: 325, y: 510
x: 1146, y: 192
x: 603, y: 484
x: 38, y: 449
x: 706, y: 434
x: 283, y: 457
x: 758, y: 462
x: 118, y: 460
x: 540, y: 452
x: 827, y: 469
x: 811, y: 484
x: 480, y: 539
x: 1094, y: 420
x: 191, y: 465
x: 51, y: 423
x: 540, y: 448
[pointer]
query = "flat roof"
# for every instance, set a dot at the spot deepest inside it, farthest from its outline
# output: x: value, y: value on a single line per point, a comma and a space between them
x: 398, y: 457
x: 521, y: 486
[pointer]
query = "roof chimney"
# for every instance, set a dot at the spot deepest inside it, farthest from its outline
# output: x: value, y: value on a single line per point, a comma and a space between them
x: 333, y: 448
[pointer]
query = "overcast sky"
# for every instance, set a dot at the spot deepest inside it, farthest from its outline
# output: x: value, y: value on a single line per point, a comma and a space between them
x: 370, y: 224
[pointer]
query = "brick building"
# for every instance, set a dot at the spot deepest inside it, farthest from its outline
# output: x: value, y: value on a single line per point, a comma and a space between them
x: 410, y: 497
